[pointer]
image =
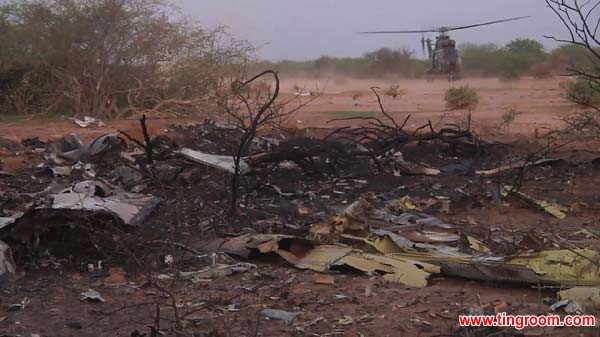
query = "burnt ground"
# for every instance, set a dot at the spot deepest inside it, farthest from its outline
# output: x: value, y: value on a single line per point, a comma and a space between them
x: 195, y: 209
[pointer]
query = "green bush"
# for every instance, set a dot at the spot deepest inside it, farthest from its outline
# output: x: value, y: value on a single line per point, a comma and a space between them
x: 394, y: 91
x: 463, y: 97
x: 576, y: 56
x: 520, y: 57
x: 480, y: 59
x: 582, y: 91
x: 508, y: 67
x: 542, y: 70
x: 509, y: 117
x: 380, y: 63
x: 525, y: 53
x: 517, y: 58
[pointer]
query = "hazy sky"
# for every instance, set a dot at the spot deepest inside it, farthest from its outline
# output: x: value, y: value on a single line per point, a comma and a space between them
x: 302, y: 29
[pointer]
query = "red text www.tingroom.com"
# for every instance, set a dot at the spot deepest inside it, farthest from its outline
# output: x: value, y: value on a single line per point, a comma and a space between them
x: 521, y: 321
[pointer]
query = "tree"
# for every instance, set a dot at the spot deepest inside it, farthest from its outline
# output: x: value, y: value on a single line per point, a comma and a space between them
x: 386, y: 60
x: 480, y: 58
x: 529, y: 47
x: 524, y: 54
x: 517, y: 58
x: 107, y: 57
x: 252, y: 109
x: 578, y: 56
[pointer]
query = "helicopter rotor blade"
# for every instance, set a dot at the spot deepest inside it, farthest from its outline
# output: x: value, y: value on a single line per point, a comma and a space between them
x: 448, y: 29
x: 442, y: 29
x: 399, y: 31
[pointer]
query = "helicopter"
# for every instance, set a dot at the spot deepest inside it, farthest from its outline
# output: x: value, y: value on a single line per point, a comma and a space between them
x: 444, y: 57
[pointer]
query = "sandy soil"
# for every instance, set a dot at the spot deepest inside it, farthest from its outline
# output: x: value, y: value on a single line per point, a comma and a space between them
x: 541, y: 101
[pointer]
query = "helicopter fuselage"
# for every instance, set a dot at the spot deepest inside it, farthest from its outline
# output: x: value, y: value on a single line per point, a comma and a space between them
x: 444, y: 56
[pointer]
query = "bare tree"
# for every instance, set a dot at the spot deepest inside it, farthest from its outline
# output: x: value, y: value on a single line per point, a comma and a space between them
x: 251, y: 106
x: 582, y: 22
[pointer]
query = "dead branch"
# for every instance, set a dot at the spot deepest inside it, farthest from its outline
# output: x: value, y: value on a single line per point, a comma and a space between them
x: 257, y: 119
x: 374, y: 90
x: 576, y: 18
x: 382, y: 135
x: 530, y: 161
x: 252, y: 108
x: 582, y: 22
x: 147, y: 146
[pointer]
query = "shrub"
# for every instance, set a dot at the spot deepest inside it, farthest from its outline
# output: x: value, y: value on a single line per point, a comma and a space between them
x: 525, y: 53
x: 463, y: 97
x: 480, y: 59
x: 582, y: 91
x: 542, y: 70
x: 576, y: 56
x: 393, y: 91
x: 509, y: 117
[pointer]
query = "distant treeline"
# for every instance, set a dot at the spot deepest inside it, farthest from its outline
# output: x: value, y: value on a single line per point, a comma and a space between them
x: 520, y: 57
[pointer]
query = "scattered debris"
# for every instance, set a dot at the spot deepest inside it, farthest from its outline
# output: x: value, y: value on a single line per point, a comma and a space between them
x: 287, y: 317
x: 225, y: 163
x: 304, y: 93
x: 588, y: 297
x: 423, y: 325
x: 115, y: 278
x: 71, y: 149
x: 569, y: 306
x: 329, y: 258
x: 125, y: 175
x: 91, y: 295
x: 398, y: 166
x: 557, y: 211
x: 61, y: 171
x: 363, y: 211
x: 8, y: 220
x: 7, y: 265
x: 324, y: 279
x: 74, y: 325
x: 430, y: 237
x: 559, y: 267
x: 346, y: 320
x: 303, y: 327
x: 93, y: 197
x: 280, y: 192
x: 492, y: 308
x: 404, y: 204
x: 520, y: 164
x: 21, y: 305
x: 87, y: 121
x: 213, y: 272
